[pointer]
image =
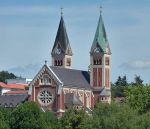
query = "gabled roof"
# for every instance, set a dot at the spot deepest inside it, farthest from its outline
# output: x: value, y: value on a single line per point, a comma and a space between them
x: 101, y: 37
x: 71, y: 99
x: 61, y: 40
x: 45, y: 68
x: 12, y: 100
x: 105, y: 92
x: 72, y: 77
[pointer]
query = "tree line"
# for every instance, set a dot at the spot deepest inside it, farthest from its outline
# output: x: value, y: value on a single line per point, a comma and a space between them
x: 4, y: 75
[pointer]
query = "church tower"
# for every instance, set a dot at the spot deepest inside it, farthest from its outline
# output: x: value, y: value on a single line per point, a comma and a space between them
x: 61, y: 52
x: 100, y: 64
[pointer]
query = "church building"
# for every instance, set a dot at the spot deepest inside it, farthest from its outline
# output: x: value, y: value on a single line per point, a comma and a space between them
x: 59, y: 86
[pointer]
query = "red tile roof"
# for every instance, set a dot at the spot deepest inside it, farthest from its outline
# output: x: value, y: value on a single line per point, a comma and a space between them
x: 17, y: 92
x: 12, y: 85
x: 2, y: 84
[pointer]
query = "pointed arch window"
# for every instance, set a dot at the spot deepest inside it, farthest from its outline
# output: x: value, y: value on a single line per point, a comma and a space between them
x: 107, y: 61
x: 97, y: 61
x: 45, y: 80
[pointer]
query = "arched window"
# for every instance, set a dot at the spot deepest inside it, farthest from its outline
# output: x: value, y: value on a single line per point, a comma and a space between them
x: 99, y: 61
x: 55, y: 62
x: 58, y: 63
x: 61, y: 63
x: 68, y: 63
x: 94, y: 61
x: 107, y: 61
x: 45, y: 80
x: 88, y: 101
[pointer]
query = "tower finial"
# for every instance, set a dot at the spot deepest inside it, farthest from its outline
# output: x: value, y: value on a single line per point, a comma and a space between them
x: 100, y: 9
x: 61, y: 11
x: 45, y: 62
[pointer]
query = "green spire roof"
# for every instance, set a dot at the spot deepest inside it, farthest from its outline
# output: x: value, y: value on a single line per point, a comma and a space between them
x: 61, y: 38
x: 100, y: 38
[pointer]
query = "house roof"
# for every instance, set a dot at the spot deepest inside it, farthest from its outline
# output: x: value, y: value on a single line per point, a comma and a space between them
x: 17, y: 92
x: 72, y: 99
x: 19, y: 80
x: 12, y: 85
x: 2, y: 84
x: 72, y: 77
x: 105, y: 92
x: 12, y: 100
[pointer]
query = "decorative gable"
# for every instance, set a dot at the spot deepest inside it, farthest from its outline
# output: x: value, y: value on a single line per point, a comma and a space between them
x: 47, y: 74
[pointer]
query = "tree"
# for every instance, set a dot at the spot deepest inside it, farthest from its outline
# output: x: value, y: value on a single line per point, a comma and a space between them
x: 137, y: 81
x: 111, y: 116
x: 121, y: 81
x: 73, y: 119
x: 6, y: 75
x: 27, y: 116
x: 139, y: 98
x: 6, y: 112
x: 51, y: 121
x: 119, y: 87
x: 3, y: 123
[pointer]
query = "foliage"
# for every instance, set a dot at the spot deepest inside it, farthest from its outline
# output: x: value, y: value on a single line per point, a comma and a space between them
x: 73, y: 119
x: 119, y: 87
x: 137, y: 81
x: 139, y: 98
x: 27, y: 116
x: 6, y: 112
x: 3, y: 123
x: 51, y: 121
x: 121, y: 81
x: 6, y: 75
x: 111, y: 116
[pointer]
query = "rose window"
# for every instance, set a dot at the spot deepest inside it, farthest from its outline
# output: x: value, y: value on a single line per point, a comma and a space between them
x: 45, y: 97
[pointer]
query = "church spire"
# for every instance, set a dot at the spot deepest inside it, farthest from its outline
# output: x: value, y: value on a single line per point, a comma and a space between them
x: 61, y: 52
x: 100, y: 38
x: 61, y: 39
x: 100, y: 63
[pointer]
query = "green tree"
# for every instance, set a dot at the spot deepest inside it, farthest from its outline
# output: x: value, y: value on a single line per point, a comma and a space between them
x: 119, y: 81
x: 6, y: 75
x: 3, y: 123
x: 27, y: 116
x: 111, y: 116
x: 73, y: 119
x: 6, y: 115
x: 51, y: 121
x: 119, y: 87
x: 139, y: 98
x: 137, y: 81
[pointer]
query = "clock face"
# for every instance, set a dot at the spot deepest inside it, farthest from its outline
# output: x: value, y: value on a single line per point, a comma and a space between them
x: 45, y: 97
x: 58, y: 51
x: 97, y: 50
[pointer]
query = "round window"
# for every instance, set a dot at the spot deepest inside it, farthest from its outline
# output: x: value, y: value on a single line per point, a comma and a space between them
x: 45, y: 97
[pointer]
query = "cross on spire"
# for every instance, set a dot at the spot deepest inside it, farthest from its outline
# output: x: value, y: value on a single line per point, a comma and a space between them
x: 61, y: 11
x: 100, y: 9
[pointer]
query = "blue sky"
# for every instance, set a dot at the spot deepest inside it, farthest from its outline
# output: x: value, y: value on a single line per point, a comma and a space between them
x: 28, y: 30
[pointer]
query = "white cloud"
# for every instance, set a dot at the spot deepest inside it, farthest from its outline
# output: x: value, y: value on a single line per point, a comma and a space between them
x: 137, y: 64
x: 20, y: 10
x: 28, y: 71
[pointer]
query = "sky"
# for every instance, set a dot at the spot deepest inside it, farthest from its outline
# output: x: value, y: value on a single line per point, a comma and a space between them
x: 28, y: 30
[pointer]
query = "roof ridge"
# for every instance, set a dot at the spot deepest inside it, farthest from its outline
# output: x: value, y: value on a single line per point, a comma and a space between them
x: 69, y: 69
